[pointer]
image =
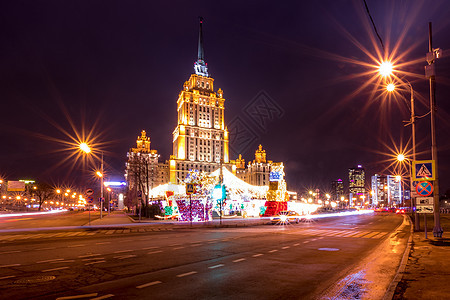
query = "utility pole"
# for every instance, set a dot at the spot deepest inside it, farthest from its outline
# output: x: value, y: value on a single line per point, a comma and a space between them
x: 221, y: 187
x: 431, y: 57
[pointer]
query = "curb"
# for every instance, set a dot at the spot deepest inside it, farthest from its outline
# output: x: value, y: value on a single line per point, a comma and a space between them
x: 401, y: 269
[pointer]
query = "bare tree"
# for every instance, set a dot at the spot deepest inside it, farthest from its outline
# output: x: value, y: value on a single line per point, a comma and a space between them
x: 43, y: 192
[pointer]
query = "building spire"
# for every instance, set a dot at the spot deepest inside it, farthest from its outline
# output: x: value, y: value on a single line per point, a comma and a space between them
x: 200, y: 67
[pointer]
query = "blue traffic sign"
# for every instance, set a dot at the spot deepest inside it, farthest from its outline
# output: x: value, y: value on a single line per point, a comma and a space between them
x: 423, y: 170
x: 424, y: 188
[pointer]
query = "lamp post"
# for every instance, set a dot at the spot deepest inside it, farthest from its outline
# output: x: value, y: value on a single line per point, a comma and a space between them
x: 86, y: 149
x: 100, y: 174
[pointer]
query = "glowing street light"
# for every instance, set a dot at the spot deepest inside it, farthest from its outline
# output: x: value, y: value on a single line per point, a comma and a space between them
x: 85, y: 148
x: 385, y: 69
x: 390, y: 87
x: 401, y: 157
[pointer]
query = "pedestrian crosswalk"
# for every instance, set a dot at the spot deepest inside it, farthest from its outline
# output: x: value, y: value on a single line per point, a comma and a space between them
x: 344, y: 233
x: 65, y: 234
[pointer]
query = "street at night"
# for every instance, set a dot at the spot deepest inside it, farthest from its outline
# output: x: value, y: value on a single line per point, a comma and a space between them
x: 301, y: 261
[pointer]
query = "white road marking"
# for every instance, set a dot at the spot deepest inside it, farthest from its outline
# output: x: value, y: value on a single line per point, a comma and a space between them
x: 6, y: 277
x: 148, y: 284
x: 77, y: 296
x: 272, y: 251
x: 103, y: 297
x: 94, y: 258
x: 88, y: 255
x: 259, y: 254
x: 48, y: 248
x: 49, y: 260
x: 62, y: 261
x: 122, y: 251
x: 305, y: 242
x: 73, y: 246
x: 178, y: 248
x: 148, y: 248
x: 296, y: 244
x: 55, y: 269
x: 173, y: 245
x: 103, y: 243
x: 153, y: 252
x: 195, y: 245
x: 286, y: 247
x: 187, y: 274
x: 11, y: 265
x: 319, y: 238
x: 238, y: 260
x: 95, y: 262
x: 216, y: 266
x: 125, y: 256
x: 8, y: 252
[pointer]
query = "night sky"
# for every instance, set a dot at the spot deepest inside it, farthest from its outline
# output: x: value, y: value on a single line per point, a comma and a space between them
x: 296, y: 78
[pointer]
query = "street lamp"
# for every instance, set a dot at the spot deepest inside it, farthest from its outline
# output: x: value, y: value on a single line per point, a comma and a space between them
x: 100, y: 174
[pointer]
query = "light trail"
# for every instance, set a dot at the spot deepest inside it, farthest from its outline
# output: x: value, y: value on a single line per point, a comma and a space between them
x: 33, y: 214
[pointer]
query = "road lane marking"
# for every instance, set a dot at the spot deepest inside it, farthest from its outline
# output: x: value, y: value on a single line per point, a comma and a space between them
x: 124, y: 256
x: 103, y: 297
x: 55, y: 269
x: 148, y: 248
x: 48, y: 248
x: 286, y: 247
x: 8, y: 252
x: 148, y: 284
x: 381, y: 234
x: 78, y: 296
x: 94, y: 258
x: 95, y: 262
x: 103, y: 243
x: 361, y: 234
x: 11, y: 265
x: 368, y: 236
x: 216, y: 266
x: 239, y: 260
x: 272, y: 251
x: 73, y: 246
x: 122, y: 251
x: 63, y: 261
x: 153, y: 252
x: 305, y: 242
x: 187, y: 274
x: 6, y: 277
x: 256, y: 255
x: 319, y: 238
x: 49, y: 260
x: 88, y: 255
x: 296, y: 244
x: 178, y: 248
x: 173, y: 245
x: 195, y: 245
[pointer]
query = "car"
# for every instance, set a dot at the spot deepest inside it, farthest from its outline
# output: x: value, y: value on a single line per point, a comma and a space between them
x: 286, y: 217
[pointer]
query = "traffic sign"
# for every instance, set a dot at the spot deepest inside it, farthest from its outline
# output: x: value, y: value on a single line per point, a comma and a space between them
x: 424, y: 170
x: 90, y: 199
x: 424, y: 201
x: 424, y: 188
x: 189, y: 188
x: 89, y: 192
x: 424, y: 209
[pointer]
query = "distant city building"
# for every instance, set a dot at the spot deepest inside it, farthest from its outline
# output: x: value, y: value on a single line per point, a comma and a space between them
x: 200, y: 139
x: 386, y: 190
x: 356, y: 180
x: 143, y: 171
x: 257, y: 171
x: 337, y: 189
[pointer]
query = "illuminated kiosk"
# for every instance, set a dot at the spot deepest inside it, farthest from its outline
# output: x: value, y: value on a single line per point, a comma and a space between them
x: 277, y: 196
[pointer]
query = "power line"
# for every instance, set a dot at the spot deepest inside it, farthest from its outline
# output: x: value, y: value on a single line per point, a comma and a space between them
x: 373, y: 23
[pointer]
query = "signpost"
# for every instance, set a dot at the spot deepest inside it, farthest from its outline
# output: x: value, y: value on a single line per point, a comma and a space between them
x: 424, y: 170
x: 190, y: 191
x: 425, y: 205
x: 90, y: 198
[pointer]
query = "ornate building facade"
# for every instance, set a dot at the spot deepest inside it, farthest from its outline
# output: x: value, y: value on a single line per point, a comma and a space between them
x: 257, y: 172
x: 143, y: 170
x: 200, y: 139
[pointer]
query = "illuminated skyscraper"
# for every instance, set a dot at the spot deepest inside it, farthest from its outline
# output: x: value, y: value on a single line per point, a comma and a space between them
x: 337, y: 189
x: 200, y: 139
x: 356, y: 180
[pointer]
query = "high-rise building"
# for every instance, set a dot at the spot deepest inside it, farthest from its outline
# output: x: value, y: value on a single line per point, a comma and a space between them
x: 337, y: 189
x: 356, y: 181
x: 200, y: 139
x: 386, y: 190
x: 257, y: 171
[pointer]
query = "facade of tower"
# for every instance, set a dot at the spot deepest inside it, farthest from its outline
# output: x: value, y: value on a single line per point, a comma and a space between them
x: 257, y: 171
x: 200, y: 139
x: 356, y: 180
x: 337, y: 189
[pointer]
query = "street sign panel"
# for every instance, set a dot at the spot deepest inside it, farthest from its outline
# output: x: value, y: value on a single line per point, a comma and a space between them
x: 424, y: 201
x: 424, y: 170
x: 424, y: 209
x: 424, y: 188
x: 90, y: 199
x: 189, y: 188
x: 89, y: 192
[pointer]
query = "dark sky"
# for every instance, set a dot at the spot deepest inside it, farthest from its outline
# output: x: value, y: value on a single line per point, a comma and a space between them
x: 116, y: 67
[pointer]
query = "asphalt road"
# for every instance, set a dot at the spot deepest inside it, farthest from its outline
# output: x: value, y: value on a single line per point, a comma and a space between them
x: 58, y: 219
x: 299, y: 261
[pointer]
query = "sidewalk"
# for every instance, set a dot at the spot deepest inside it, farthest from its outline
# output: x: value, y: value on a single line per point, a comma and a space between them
x: 428, y: 266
